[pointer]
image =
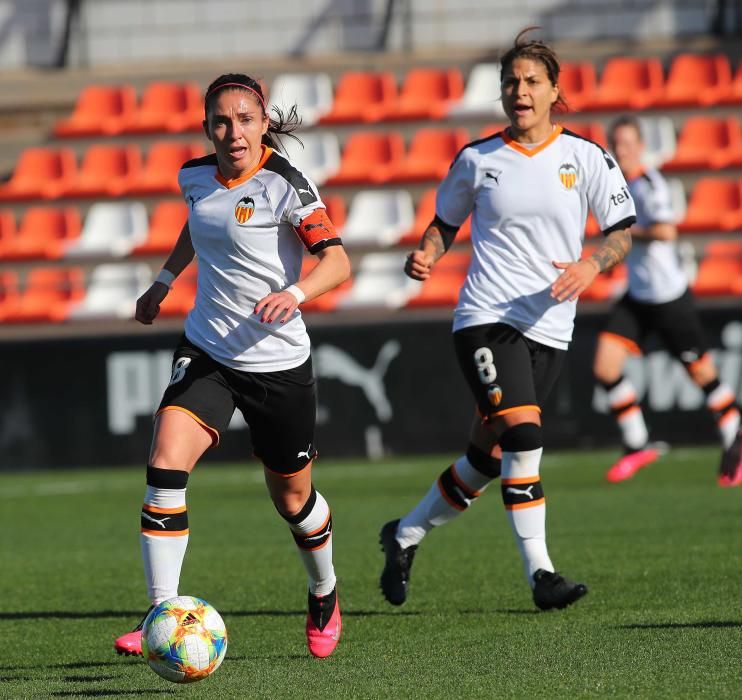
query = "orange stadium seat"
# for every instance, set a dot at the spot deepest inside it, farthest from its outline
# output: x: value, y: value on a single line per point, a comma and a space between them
x: 424, y: 214
x: 8, y: 293
x: 717, y: 276
x: 43, y: 233
x: 337, y: 211
x: 164, y: 160
x: 443, y: 286
x: 48, y: 294
x: 577, y: 83
x: 8, y: 230
x: 695, y: 81
x: 734, y: 95
x: 627, y: 83
x: 165, y: 226
x: 707, y: 142
x: 100, y: 110
x: 491, y: 129
x: 41, y: 173
x: 329, y: 300
x: 361, y: 96
x: 164, y: 107
x: 429, y: 157
x: 367, y: 156
x: 715, y: 204
x: 179, y: 300
x: 723, y: 249
x: 106, y: 171
x: 594, y: 131
x: 426, y: 93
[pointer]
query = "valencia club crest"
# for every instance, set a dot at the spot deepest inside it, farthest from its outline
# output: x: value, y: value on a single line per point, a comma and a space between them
x: 244, y: 210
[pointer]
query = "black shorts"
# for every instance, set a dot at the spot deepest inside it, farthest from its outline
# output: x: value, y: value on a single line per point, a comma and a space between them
x: 504, y: 369
x: 279, y: 407
x: 676, y: 322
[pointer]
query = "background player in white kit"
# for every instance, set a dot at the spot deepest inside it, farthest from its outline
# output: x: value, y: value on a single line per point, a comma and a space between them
x: 528, y: 190
x: 657, y: 300
x: 251, y: 214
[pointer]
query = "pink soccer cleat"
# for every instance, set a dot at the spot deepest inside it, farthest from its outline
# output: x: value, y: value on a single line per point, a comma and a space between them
x: 323, y: 624
x: 730, y: 470
x: 632, y: 462
x: 130, y: 644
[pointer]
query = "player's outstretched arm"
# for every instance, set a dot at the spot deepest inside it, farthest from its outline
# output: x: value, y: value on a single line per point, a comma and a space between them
x: 578, y: 276
x: 436, y: 240
x: 148, y: 305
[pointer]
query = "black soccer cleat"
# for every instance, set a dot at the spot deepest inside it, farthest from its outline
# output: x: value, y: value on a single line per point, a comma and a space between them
x: 395, y: 579
x: 551, y: 590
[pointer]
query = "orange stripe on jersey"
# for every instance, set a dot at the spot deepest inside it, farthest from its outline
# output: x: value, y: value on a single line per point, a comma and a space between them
x: 230, y: 184
x: 530, y: 152
x: 212, y: 431
x: 526, y: 504
x: 315, y: 228
x: 520, y: 480
x: 155, y: 509
x: 165, y: 533
x: 630, y: 345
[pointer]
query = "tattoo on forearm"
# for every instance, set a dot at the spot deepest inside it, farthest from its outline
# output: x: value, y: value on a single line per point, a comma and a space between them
x: 433, y: 236
x: 614, y: 249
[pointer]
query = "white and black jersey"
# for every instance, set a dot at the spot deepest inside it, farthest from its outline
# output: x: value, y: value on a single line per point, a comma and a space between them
x: 249, y: 241
x: 529, y: 207
x: 656, y: 274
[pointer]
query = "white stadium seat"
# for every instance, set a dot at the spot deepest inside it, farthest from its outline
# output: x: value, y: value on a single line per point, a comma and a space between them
x: 318, y: 155
x: 311, y: 92
x: 379, y: 217
x: 110, y: 229
x: 380, y: 281
x: 659, y: 138
x: 112, y: 291
x: 481, y: 96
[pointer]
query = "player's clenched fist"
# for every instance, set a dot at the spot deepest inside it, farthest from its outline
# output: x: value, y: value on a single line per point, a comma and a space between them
x: 148, y: 305
x: 418, y: 265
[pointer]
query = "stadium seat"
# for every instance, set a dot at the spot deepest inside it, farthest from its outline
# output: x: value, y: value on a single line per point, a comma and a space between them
x: 336, y: 210
x: 165, y: 226
x: 105, y: 171
x: 112, y: 291
x: 717, y: 275
x: 181, y: 297
x: 695, y: 81
x: 43, y: 233
x: 164, y: 160
x: 100, y: 110
x: 481, y: 96
x: 165, y: 106
x: 366, y: 157
x: 40, y: 173
x: 8, y: 230
x: 424, y: 214
x: 714, y: 205
x: 426, y: 93
x: 660, y: 142
x: 360, y: 96
x: 110, y: 229
x: 378, y: 217
x: 733, y: 96
x: 593, y: 131
x: 627, y: 83
x: 327, y: 301
x: 706, y: 143
x: 429, y: 157
x: 8, y: 293
x: 577, y: 83
x: 443, y: 286
x: 318, y: 154
x: 310, y: 92
x: 723, y: 249
x: 491, y: 129
x: 48, y: 295
x: 380, y: 282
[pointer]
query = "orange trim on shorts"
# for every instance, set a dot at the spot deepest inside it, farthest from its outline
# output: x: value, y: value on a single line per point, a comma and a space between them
x: 165, y: 533
x: 273, y: 471
x: 466, y: 489
x: 521, y: 480
x: 447, y: 499
x: 527, y: 504
x: 627, y: 343
x: 212, y: 431
x: 693, y: 366
x: 155, y: 509
x: 526, y: 407
x: 627, y: 412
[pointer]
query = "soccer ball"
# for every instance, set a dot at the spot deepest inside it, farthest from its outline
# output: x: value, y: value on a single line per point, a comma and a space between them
x: 184, y: 639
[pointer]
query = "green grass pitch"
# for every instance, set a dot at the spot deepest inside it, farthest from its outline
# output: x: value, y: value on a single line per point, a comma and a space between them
x: 661, y: 554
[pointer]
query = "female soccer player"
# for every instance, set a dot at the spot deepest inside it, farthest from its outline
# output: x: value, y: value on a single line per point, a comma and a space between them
x: 251, y: 213
x: 658, y: 299
x: 528, y: 189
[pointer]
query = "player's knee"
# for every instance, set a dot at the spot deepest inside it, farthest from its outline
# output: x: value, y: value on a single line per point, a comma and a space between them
x: 483, y: 462
x: 290, y: 499
x: 522, y: 438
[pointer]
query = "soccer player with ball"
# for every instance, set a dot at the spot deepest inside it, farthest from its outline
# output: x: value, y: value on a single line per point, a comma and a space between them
x: 251, y: 214
x: 528, y: 190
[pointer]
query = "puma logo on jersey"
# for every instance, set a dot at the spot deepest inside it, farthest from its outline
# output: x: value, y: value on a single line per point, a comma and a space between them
x: 305, y: 454
x: 161, y: 523
x: 521, y: 492
x: 300, y: 190
x: 494, y: 176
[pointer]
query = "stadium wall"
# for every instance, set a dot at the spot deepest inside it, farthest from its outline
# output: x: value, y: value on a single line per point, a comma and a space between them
x: 384, y: 389
x: 116, y: 32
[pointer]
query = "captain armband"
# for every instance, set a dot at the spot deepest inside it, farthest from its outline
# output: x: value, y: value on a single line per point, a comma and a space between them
x: 317, y: 232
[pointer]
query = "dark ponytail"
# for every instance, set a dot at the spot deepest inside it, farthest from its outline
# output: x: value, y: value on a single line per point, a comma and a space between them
x: 281, y: 124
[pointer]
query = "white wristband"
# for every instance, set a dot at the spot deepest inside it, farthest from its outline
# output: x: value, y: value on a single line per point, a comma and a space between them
x: 165, y: 277
x: 296, y: 292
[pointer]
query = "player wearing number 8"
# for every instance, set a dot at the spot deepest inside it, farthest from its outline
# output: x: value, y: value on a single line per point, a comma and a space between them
x: 528, y: 190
